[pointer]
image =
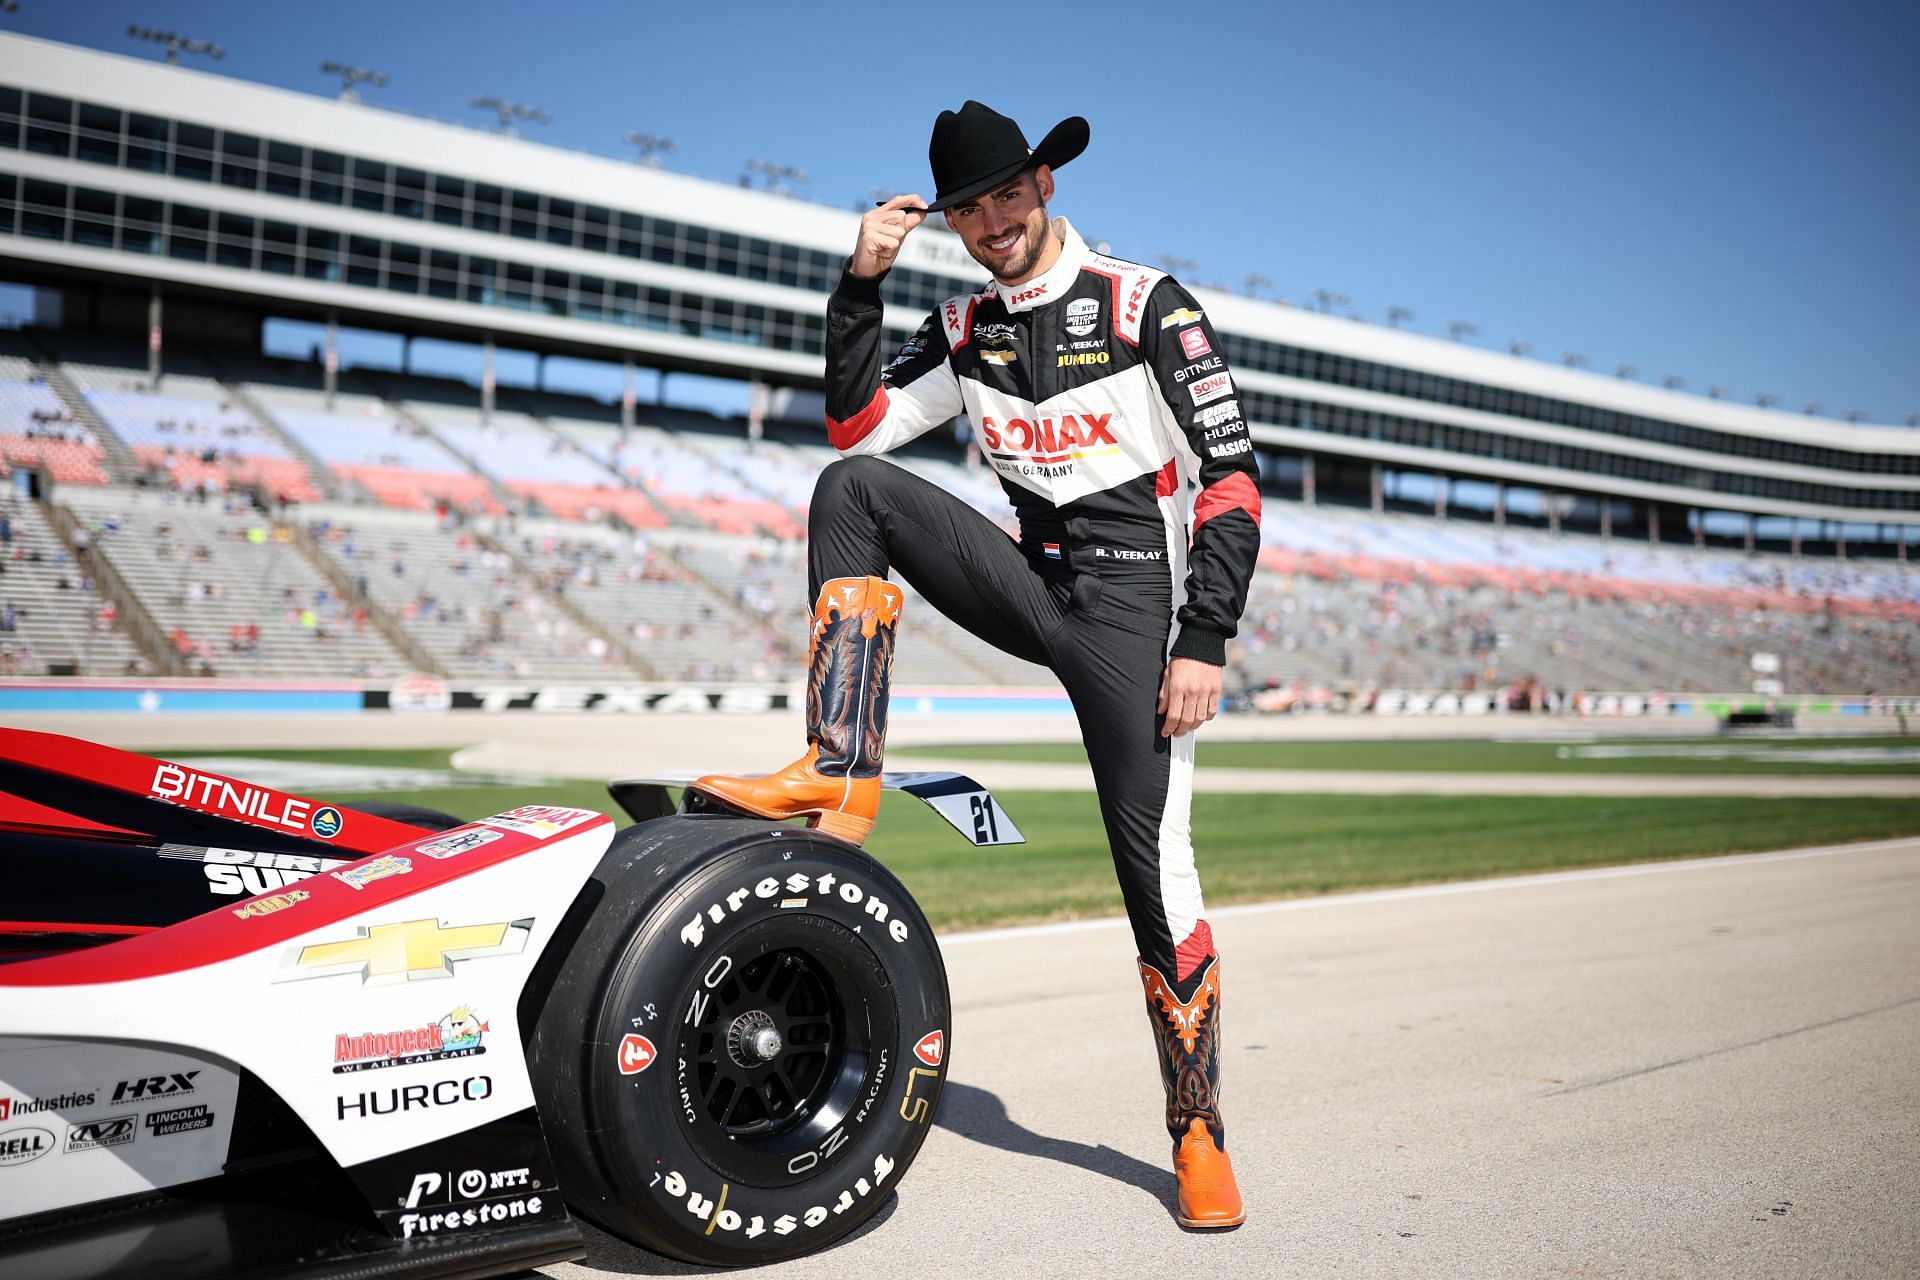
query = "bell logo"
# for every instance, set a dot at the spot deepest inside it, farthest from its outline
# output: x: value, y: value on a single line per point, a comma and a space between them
x: 408, y: 952
x: 932, y: 1047
x: 636, y: 1054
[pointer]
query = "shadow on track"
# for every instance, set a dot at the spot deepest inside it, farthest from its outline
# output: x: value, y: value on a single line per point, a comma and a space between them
x: 612, y: 1254
x: 979, y: 1116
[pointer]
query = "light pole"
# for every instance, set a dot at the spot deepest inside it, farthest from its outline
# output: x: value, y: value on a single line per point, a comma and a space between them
x: 1624, y: 371
x: 351, y: 76
x: 776, y: 176
x: 511, y: 111
x: 1857, y: 415
x: 1177, y: 265
x: 1716, y: 393
x: 176, y: 44
x: 1255, y: 282
x: 652, y: 147
x: 1519, y: 346
x: 1765, y: 399
x: 1395, y: 315
x: 1674, y: 382
x: 1328, y: 299
x: 1459, y: 330
x: 1574, y: 360
x: 1812, y: 408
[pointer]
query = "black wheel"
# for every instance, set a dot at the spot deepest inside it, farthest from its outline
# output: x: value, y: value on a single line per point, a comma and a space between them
x: 413, y: 814
x: 744, y: 1046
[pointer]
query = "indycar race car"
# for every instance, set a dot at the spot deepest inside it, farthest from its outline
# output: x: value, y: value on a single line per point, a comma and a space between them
x: 250, y: 1033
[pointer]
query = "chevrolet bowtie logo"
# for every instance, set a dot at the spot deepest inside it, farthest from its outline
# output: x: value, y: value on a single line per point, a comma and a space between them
x: 1181, y: 316
x: 997, y: 357
x: 408, y: 952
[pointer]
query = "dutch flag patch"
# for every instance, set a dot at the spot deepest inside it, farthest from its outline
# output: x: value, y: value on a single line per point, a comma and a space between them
x: 1051, y: 550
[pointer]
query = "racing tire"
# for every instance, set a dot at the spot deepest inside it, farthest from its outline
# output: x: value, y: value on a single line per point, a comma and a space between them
x: 744, y: 1045
x: 412, y: 814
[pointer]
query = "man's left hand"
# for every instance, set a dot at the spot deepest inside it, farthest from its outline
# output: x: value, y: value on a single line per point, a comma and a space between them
x: 1189, y: 696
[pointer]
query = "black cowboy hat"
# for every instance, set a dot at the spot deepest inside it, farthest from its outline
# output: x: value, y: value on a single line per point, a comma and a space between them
x: 975, y: 149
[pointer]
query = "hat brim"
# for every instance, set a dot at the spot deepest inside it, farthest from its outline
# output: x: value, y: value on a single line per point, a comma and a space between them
x: 1063, y: 142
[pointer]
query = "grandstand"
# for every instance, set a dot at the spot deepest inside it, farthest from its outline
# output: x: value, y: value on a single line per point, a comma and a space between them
x: 1437, y: 516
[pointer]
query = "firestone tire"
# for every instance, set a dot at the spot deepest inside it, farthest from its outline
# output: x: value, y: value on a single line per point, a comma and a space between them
x: 744, y: 1046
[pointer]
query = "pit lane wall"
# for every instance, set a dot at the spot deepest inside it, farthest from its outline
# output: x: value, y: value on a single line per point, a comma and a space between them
x: 426, y: 695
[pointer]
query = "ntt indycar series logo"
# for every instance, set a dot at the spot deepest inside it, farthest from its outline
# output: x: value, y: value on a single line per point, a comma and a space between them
x: 458, y: 1035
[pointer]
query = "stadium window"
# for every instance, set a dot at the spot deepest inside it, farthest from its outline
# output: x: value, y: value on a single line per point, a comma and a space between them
x: 625, y: 307
x: 443, y: 274
x: 234, y: 245
x: 555, y: 292
x: 363, y: 261
x: 481, y: 278
x: 519, y: 291
x: 239, y: 161
x: 693, y: 252
x: 726, y: 258
x: 9, y: 202
x: 279, y: 248
x: 409, y: 193
x: 11, y: 101
x: 525, y: 223
x: 632, y: 236
x: 140, y: 224
x: 285, y: 165
x: 320, y: 255
x: 590, y: 294
x: 146, y: 143
x: 187, y: 233
x: 562, y: 222
x: 43, y: 210
x: 403, y: 268
x: 760, y: 258
x: 595, y: 224
x: 449, y: 200
x: 193, y: 152
x: 487, y: 202
x: 99, y: 134
x: 93, y: 217
x: 49, y: 124
x: 370, y: 186
x: 326, y: 177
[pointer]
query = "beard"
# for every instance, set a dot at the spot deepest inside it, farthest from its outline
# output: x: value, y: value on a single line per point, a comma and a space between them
x: 1026, y: 252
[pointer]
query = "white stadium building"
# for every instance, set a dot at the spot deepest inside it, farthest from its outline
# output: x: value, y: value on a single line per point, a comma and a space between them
x: 165, y: 215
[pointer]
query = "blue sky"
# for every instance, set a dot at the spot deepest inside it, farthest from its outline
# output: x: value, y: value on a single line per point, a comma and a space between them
x: 1726, y: 192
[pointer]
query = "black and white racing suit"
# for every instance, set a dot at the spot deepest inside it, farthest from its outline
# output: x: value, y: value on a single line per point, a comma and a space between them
x: 1099, y: 393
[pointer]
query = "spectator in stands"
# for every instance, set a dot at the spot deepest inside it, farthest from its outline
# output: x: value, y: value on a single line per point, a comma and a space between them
x: 8, y: 620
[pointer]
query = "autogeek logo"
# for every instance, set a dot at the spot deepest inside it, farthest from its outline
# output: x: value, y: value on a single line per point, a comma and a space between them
x: 458, y: 1035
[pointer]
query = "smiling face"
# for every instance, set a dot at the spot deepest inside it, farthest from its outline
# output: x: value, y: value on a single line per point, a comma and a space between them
x: 1007, y: 230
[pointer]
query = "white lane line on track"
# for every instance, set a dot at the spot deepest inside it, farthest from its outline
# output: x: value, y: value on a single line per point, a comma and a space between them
x: 1448, y: 889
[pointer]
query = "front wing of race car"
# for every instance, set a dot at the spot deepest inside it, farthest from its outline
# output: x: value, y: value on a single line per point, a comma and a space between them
x: 322, y: 1080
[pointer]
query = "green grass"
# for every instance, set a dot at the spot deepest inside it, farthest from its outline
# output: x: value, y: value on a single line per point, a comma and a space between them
x: 1254, y: 847
x: 1480, y: 756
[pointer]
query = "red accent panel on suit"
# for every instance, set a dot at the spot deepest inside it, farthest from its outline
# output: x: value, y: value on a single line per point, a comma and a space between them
x: 845, y: 435
x: 1114, y: 279
x: 1166, y: 481
x: 1191, y: 953
x: 1236, y: 491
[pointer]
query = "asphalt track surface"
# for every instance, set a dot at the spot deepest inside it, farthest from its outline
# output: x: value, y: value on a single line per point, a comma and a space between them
x: 1702, y: 1068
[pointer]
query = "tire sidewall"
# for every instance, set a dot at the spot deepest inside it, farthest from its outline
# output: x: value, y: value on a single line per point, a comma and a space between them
x: 788, y: 892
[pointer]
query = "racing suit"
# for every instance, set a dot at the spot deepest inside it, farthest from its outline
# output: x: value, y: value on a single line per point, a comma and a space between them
x: 1099, y: 393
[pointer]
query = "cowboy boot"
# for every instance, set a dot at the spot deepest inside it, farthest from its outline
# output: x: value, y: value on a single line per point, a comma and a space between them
x: 836, y: 785
x: 1187, y: 1033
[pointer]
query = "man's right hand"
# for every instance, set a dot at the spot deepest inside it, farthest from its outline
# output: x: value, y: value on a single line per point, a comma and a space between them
x: 882, y: 231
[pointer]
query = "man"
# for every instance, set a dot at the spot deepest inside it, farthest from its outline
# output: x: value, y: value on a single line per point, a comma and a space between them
x: 1100, y: 396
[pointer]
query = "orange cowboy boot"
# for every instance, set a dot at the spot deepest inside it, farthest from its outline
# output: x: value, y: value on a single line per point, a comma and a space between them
x: 1188, y: 1036
x: 836, y: 785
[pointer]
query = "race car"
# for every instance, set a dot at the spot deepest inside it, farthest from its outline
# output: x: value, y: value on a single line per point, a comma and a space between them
x: 248, y: 1032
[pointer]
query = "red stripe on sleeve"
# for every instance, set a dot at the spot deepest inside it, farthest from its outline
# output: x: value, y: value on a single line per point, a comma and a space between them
x: 845, y: 435
x: 1235, y: 492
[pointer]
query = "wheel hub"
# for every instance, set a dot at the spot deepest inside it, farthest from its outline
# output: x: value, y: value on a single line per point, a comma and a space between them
x: 753, y: 1039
